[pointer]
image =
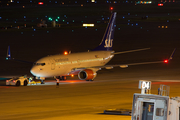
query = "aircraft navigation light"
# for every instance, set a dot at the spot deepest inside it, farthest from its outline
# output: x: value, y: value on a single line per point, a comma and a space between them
x: 65, y: 53
x: 72, y: 75
x: 166, y: 61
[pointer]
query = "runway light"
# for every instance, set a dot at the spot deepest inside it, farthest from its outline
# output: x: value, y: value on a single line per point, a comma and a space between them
x: 65, y: 53
x: 160, y: 4
x: 40, y: 3
x: 165, y: 61
x: 111, y: 8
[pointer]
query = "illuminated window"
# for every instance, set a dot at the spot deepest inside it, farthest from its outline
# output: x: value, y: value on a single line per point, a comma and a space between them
x: 159, y: 112
x: 42, y: 64
x: 88, y: 25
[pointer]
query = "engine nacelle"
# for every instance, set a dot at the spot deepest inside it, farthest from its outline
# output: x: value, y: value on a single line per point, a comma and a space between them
x: 87, y: 74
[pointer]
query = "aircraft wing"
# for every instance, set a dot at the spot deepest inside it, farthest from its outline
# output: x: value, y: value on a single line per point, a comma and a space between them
x: 129, y: 64
x: 126, y: 65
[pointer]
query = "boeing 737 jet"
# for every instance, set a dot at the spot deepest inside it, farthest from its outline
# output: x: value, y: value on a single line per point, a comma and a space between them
x: 84, y: 64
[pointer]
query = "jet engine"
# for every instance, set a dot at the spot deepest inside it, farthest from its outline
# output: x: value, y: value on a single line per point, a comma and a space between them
x: 87, y: 74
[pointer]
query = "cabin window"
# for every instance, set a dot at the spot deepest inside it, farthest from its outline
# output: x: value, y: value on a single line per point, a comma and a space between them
x: 42, y: 64
x: 159, y: 112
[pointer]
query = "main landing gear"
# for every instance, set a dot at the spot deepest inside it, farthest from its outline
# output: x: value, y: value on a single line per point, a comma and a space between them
x: 90, y: 80
x: 61, y: 78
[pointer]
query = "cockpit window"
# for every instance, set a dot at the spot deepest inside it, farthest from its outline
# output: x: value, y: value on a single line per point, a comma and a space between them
x: 42, y: 64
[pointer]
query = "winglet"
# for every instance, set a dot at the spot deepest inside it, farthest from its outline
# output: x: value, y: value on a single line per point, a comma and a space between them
x: 170, y: 58
x: 8, y: 57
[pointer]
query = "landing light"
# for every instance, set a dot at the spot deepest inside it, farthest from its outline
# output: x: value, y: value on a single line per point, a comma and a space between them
x: 165, y: 61
x: 72, y: 75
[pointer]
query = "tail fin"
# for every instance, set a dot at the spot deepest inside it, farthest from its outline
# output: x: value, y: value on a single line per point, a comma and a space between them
x: 107, y: 41
x: 8, y: 57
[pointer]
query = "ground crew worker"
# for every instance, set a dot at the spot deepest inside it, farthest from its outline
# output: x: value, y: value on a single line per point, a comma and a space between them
x: 57, y: 82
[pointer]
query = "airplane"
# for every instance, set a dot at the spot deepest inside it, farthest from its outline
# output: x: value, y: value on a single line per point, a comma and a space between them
x: 84, y: 64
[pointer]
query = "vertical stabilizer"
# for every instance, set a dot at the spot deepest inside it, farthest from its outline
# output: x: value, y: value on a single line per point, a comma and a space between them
x: 8, y: 57
x: 107, y: 41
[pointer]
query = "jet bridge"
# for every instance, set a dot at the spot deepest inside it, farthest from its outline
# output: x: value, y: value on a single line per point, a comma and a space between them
x: 148, y: 106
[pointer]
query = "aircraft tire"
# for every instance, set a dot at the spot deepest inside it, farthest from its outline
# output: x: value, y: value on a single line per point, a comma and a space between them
x: 18, y: 83
x: 63, y: 78
x: 42, y: 82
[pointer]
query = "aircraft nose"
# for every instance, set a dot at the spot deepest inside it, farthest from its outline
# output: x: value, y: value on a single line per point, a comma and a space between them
x: 34, y: 71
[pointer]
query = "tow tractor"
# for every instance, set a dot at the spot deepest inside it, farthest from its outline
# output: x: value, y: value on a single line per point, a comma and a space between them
x: 23, y: 80
x: 147, y: 106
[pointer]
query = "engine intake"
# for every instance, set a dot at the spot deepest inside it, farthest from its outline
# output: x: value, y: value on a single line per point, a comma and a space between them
x: 87, y: 74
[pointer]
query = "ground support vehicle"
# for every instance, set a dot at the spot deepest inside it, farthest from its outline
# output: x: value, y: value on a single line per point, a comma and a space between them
x: 34, y: 82
x: 23, y: 80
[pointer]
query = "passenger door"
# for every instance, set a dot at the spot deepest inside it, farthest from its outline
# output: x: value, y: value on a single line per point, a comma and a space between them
x: 148, y: 111
x: 52, y: 64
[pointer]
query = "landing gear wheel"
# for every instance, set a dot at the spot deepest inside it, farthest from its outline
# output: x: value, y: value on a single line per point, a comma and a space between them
x: 42, y: 82
x: 90, y: 80
x: 63, y: 78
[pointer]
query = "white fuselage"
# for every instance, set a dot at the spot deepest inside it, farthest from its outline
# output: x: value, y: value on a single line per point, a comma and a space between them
x: 61, y: 65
